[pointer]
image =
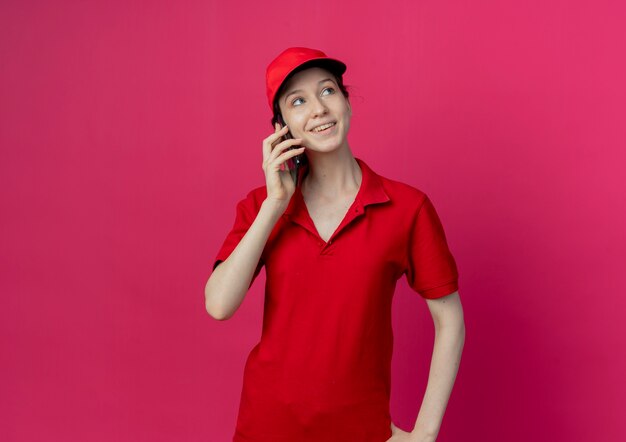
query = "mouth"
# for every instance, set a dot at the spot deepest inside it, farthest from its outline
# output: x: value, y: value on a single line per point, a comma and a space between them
x: 324, y: 128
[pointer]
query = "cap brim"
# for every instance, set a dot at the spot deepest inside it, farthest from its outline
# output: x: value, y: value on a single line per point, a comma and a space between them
x: 333, y: 65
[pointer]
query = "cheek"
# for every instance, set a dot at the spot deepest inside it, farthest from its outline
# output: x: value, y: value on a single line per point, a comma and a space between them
x: 347, y: 120
x: 298, y: 124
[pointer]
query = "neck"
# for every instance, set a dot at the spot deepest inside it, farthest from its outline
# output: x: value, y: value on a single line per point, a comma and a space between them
x: 331, y: 175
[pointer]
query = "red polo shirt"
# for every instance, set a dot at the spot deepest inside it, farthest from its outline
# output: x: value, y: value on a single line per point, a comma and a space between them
x: 322, y: 369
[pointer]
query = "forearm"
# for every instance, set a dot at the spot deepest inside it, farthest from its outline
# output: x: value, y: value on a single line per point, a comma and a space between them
x: 449, y: 341
x: 230, y: 281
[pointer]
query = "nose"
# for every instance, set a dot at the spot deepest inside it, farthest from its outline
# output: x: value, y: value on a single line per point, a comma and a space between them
x: 319, y: 108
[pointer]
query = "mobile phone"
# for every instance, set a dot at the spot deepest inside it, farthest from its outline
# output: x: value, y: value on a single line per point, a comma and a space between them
x: 296, y: 162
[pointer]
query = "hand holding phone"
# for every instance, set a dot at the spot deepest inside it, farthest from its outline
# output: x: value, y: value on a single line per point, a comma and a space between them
x: 280, y: 181
x: 296, y: 162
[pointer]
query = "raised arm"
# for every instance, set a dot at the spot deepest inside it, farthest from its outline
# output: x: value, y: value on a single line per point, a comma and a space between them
x: 230, y: 280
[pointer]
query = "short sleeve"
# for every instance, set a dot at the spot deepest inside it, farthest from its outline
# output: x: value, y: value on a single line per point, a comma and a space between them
x: 431, y: 269
x: 245, y: 214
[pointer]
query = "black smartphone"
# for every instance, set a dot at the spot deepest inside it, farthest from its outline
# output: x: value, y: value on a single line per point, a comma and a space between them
x: 294, y: 163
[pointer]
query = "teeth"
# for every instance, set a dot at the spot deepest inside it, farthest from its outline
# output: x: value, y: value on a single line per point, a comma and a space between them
x: 322, y: 127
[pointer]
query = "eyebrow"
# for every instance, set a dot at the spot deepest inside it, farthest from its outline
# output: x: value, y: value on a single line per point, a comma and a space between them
x: 300, y: 90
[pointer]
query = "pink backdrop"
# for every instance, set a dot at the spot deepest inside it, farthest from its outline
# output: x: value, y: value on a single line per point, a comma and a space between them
x: 129, y: 130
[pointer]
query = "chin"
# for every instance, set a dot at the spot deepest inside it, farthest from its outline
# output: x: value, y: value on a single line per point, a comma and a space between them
x: 324, y: 145
x: 323, y: 148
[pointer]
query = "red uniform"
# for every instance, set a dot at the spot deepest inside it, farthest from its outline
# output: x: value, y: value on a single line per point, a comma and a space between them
x: 322, y: 369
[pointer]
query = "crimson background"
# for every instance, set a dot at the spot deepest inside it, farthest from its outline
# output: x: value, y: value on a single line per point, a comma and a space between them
x: 129, y: 129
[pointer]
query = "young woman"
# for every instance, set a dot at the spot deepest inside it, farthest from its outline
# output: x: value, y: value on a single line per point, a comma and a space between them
x: 334, y: 241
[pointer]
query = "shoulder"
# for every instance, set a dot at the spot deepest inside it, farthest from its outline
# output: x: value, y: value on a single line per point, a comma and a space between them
x: 403, y: 195
x: 256, y: 193
x: 254, y: 198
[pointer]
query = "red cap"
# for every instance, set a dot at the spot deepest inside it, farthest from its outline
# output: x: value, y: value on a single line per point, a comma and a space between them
x: 292, y: 58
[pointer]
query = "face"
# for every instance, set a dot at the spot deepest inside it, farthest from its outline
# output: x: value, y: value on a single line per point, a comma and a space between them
x: 311, y: 98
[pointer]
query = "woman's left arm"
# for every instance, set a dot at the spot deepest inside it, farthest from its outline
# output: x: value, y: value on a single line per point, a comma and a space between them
x: 447, y: 313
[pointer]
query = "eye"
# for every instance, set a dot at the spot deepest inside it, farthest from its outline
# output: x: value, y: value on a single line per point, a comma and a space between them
x: 293, y: 103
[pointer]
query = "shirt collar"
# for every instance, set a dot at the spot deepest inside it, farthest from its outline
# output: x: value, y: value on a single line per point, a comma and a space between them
x: 371, y: 190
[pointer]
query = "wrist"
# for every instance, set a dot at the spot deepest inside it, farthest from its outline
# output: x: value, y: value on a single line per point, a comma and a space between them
x: 420, y: 434
x: 276, y: 207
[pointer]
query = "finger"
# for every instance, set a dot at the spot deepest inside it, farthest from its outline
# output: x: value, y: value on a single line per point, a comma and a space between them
x: 289, y: 154
x: 282, y: 146
x: 286, y: 155
x: 273, y: 137
x: 292, y: 153
x: 268, y: 143
x: 286, y: 163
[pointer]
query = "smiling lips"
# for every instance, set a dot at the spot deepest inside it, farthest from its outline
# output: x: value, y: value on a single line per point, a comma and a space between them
x: 324, y: 128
